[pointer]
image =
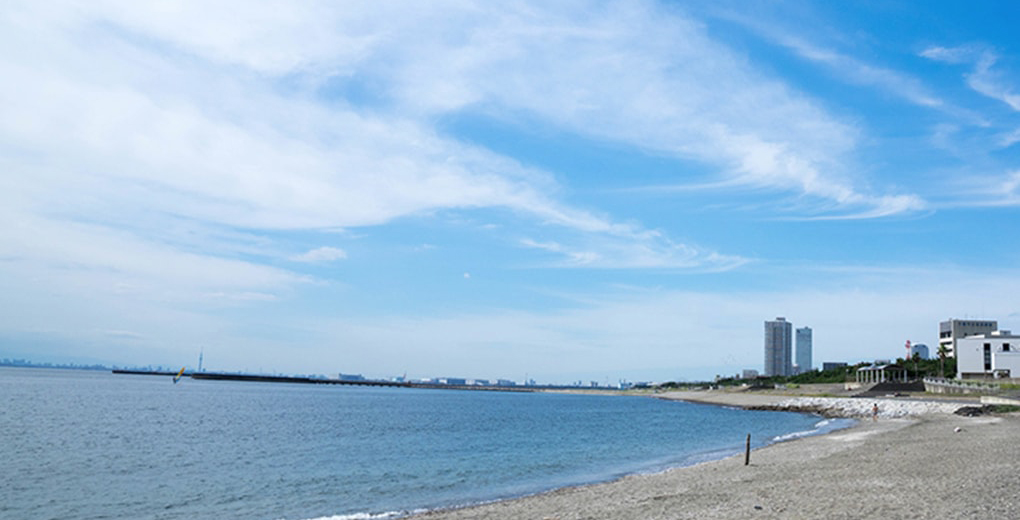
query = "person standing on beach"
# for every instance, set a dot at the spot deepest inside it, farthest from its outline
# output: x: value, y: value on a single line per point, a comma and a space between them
x: 874, y: 413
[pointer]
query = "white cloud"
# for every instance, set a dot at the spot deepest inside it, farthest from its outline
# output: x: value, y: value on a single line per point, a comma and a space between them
x: 1010, y: 138
x: 984, y: 78
x: 323, y: 254
x: 123, y: 334
x: 987, y: 190
x: 650, y: 252
x: 1002, y: 190
x: 593, y: 69
x: 1011, y: 185
x: 962, y: 54
x: 222, y: 146
x: 646, y: 77
x: 125, y: 263
x: 844, y: 66
x: 234, y: 121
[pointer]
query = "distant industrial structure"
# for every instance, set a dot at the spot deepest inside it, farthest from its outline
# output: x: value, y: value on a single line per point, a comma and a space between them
x: 952, y: 330
x: 778, y: 347
x: 803, y: 362
x: 833, y: 365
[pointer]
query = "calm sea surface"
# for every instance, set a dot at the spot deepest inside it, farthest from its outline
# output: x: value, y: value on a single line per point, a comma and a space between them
x: 80, y: 444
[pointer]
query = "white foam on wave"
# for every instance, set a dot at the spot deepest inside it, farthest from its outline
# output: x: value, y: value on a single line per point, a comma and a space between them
x: 794, y: 435
x: 369, y: 516
x: 821, y: 427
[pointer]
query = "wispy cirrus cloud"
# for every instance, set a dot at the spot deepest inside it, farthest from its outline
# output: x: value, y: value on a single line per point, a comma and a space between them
x: 993, y: 190
x: 323, y: 254
x: 155, y: 152
x: 653, y: 252
x: 841, y: 64
x: 232, y: 147
x: 984, y: 78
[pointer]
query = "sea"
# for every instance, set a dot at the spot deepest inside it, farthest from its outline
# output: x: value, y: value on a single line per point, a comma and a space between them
x: 78, y: 444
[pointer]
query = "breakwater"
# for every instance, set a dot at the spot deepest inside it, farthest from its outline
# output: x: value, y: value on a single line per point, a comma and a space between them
x: 265, y: 378
x: 858, y: 407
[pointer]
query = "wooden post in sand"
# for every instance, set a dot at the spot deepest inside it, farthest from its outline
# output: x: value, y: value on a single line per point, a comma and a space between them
x: 747, y: 451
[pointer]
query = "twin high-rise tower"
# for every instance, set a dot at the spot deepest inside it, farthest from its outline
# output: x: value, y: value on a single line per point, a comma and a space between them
x: 803, y: 361
x: 779, y: 359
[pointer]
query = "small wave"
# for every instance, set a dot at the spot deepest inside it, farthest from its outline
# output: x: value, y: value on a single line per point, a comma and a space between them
x: 369, y: 516
x: 794, y: 435
x: 821, y: 427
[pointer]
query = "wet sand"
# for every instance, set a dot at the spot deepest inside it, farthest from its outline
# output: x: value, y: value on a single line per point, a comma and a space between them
x: 926, y: 465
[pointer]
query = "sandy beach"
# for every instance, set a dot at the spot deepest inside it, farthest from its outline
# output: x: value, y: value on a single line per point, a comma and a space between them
x: 918, y: 460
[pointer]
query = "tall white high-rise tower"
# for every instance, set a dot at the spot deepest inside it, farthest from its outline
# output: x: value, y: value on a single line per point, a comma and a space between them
x: 804, y: 349
x: 778, y: 347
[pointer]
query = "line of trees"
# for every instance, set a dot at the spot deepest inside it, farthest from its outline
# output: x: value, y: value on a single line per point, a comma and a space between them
x: 916, y: 367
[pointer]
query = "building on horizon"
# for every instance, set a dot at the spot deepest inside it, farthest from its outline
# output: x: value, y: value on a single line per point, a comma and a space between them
x: 804, y: 350
x: 832, y: 365
x: 920, y: 350
x: 778, y: 347
x: 750, y: 373
x: 996, y: 354
x: 953, y: 329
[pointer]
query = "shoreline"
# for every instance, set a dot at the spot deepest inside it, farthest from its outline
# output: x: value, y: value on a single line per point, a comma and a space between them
x: 917, y: 460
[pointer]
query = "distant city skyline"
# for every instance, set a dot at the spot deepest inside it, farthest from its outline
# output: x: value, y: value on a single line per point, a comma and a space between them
x: 573, y: 191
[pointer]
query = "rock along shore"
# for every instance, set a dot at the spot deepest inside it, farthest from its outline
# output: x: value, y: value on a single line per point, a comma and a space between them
x: 859, y: 407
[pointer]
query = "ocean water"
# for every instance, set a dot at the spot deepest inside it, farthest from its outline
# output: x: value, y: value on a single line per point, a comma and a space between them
x: 90, y: 445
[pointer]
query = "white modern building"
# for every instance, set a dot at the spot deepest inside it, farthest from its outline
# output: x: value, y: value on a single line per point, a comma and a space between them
x: 953, y: 329
x: 804, y: 350
x: 778, y: 347
x: 996, y: 354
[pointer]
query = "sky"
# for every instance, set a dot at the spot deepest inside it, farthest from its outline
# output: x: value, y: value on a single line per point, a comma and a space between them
x: 576, y: 190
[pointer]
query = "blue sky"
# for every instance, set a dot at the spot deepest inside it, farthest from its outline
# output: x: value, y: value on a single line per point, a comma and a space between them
x: 581, y: 190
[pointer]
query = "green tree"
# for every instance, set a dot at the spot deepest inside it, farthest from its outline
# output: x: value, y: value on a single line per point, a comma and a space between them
x: 943, y: 354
